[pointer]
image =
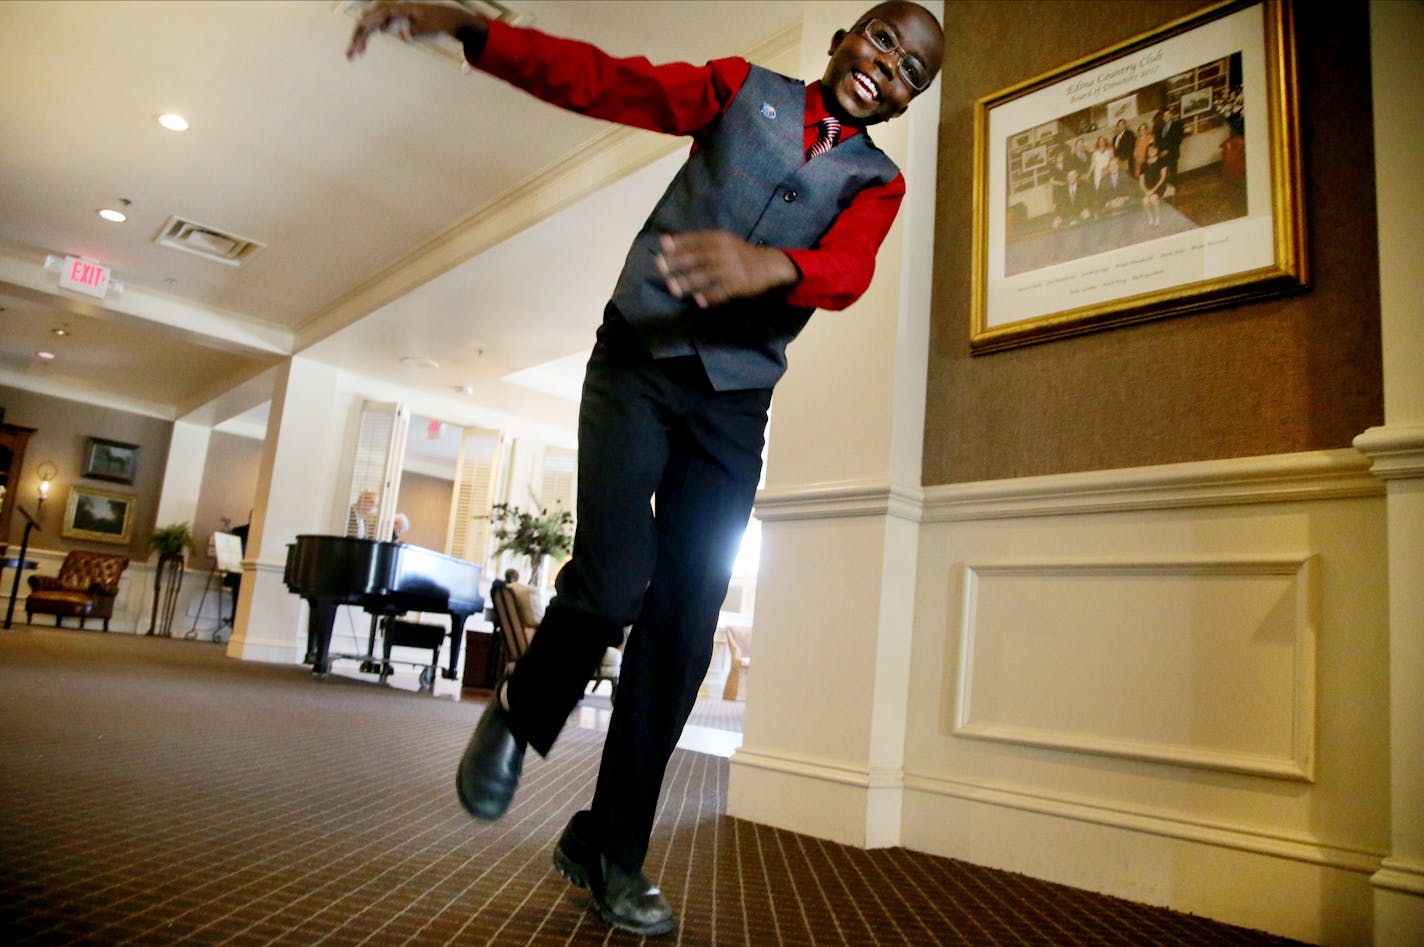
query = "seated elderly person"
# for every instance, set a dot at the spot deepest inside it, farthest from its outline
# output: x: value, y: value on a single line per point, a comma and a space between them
x: 531, y: 609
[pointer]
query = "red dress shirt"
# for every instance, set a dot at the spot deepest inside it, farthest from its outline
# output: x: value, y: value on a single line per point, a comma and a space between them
x: 683, y: 99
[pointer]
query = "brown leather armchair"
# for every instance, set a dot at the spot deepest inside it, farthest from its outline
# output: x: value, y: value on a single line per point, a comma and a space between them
x: 87, y: 584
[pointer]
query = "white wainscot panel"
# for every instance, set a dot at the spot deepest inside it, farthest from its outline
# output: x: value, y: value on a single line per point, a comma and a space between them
x: 1206, y: 664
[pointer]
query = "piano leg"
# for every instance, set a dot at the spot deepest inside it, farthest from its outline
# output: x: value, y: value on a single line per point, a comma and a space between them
x: 320, y: 619
x: 457, y: 638
x: 369, y: 666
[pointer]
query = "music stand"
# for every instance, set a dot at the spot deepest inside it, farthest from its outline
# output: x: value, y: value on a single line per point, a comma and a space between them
x: 19, y: 563
x: 227, y: 559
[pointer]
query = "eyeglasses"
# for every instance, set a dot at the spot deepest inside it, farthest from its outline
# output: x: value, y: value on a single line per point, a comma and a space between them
x: 884, y: 38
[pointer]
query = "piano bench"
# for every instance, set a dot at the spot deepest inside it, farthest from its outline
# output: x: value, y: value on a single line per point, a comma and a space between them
x: 410, y: 634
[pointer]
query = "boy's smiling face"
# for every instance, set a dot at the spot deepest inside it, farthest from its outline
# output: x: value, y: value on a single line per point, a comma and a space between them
x: 863, y: 84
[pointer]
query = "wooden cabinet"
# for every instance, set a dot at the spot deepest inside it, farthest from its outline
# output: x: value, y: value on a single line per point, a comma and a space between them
x: 13, y: 439
x: 482, y: 657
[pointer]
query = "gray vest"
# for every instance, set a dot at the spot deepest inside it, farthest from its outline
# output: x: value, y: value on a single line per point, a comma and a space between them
x: 748, y: 176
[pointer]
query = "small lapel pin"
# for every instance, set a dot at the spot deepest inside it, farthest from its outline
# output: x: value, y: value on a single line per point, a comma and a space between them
x: 768, y: 110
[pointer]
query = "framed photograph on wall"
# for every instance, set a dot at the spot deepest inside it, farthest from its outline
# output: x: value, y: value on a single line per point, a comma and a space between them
x: 1196, y: 102
x: 98, y: 515
x: 109, y: 460
x: 1123, y: 109
x: 1225, y: 220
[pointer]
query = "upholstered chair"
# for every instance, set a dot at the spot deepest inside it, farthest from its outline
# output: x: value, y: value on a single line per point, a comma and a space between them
x: 87, y: 584
x: 514, y: 633
x: 512, y: 622
x: 608, y: 668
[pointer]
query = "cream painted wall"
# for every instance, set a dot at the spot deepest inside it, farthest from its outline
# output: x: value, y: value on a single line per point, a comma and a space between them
x: 842, y: 387
x: 1155, y: 684
x: 426, y: 501
x: 837, y: 551
x: 63, y: 426
x: 302, y: 488
x: 1397, y: 450
x: 296, y: 492
x: 1194, y: 685
x: 862, y: 618
x: 183, y: 476
x: 230, y: 475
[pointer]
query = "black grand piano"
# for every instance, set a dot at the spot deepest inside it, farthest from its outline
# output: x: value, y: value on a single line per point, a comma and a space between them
x: 386, y: 579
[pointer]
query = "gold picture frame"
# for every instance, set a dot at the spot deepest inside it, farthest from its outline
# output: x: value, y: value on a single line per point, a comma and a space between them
x: 1231, y: 226
x: 109, y: 460
x: 98, y: 515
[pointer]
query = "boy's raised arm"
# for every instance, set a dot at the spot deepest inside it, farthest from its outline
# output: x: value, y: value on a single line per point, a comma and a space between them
x: 415, y: 20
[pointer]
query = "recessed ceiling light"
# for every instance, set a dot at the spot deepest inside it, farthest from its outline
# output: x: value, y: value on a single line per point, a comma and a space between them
x: 173, y: 122
x: 60, y: 331
x: 113, y: 216
x: 47, y: 356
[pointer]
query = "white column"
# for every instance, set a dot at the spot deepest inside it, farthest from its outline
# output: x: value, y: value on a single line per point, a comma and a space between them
x: 825, y: 721
x: 296, y: 485
x: 183, y: 477
x: 178, y: 503
x: 1397, y: 449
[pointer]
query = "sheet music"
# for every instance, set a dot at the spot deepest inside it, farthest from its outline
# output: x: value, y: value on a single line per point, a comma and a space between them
x: 229, y: 552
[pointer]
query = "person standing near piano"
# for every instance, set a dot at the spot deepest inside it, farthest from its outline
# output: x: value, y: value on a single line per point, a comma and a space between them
x: 361, y: 519
x: 779, y: 210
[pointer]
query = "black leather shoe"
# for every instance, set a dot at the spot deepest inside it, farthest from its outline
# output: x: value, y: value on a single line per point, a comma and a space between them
x: 489, y: 770
x: 626, y: 900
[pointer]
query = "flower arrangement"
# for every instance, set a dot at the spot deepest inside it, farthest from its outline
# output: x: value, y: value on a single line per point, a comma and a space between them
x: 536, y: 535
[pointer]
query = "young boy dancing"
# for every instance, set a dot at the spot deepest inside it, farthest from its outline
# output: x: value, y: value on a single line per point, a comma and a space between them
x: 779, y: 210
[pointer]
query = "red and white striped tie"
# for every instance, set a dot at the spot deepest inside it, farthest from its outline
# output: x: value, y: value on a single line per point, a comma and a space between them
x: 830, y: 133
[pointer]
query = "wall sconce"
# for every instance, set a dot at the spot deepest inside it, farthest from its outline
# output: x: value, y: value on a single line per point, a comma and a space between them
x: 46, y: 471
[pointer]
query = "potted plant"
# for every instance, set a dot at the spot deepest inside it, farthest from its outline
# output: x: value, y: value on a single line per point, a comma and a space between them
x: 170, y: 542
x: 536, y: 535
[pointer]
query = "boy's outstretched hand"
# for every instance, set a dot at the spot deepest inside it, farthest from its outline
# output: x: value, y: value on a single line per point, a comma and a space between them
x: 410, y: 21
x: 712, y: 267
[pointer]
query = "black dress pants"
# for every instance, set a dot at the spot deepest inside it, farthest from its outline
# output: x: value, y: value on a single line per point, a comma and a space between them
x: 667, y: 473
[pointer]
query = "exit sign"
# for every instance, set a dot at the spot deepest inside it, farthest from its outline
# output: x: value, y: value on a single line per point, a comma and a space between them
x: 84, y: 276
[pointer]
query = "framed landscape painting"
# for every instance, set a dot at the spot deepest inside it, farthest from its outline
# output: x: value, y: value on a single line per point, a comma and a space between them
x: 98, y: 515
x: 109, y: 460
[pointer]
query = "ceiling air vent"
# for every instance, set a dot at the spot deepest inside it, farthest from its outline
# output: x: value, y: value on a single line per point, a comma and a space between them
x: 207, y: 242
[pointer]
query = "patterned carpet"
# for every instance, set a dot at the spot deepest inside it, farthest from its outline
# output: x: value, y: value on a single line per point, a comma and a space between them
x: 155, y: 792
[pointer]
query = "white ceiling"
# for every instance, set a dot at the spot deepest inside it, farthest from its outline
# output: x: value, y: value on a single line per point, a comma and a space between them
x: 407, y: 209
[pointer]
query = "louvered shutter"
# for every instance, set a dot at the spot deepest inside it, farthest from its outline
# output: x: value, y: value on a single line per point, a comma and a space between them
x: 380, y: 448
x: 557, y: 487
x: 475, y: 473
x: 556, y: 491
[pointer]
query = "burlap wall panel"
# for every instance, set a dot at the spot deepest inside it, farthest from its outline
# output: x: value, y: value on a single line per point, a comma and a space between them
x: 1293, y: 373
